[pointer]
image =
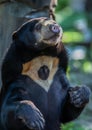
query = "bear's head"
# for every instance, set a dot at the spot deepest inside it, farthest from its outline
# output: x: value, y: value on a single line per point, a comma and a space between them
x: 38, y: 33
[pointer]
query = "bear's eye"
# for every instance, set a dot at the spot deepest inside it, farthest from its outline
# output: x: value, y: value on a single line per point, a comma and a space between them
x: 38, y: 27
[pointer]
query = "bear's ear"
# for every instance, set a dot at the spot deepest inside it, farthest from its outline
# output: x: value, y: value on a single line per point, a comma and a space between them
x: 14, y: 35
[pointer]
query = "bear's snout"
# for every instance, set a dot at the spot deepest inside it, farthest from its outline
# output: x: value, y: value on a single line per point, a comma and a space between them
x: 54, y: 28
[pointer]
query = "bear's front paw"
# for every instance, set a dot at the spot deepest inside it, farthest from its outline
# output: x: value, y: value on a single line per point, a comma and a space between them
x: 79, y: 96
x: 30, y: 115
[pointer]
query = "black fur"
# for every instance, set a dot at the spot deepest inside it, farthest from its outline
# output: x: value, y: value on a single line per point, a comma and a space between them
x: 26, y: 105
x: 43, y: 72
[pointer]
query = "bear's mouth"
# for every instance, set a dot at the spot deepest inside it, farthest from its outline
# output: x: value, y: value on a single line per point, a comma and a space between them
x: 52, y: 40
x: 54, y: 37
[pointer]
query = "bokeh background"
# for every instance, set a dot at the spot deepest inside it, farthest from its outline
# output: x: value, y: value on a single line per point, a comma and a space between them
x: 75, y: 17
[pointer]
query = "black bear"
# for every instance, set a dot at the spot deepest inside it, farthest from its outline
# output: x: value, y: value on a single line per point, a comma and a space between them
x: 36, y: 94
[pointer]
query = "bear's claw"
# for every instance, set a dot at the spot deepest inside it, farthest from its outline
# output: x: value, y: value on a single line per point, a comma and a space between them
x: 30, y: 115
x: 79, y: 96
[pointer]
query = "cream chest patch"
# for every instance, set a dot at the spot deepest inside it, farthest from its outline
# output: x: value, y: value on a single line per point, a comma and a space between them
x: 32, y: 67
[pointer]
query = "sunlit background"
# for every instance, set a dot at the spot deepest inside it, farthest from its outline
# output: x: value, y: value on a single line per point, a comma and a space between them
x: 75, y: 17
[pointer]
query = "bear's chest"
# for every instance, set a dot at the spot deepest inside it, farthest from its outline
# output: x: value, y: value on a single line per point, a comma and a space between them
x: 41, y: 70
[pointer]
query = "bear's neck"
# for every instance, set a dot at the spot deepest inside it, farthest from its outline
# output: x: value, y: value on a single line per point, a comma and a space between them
x: 27, y: 54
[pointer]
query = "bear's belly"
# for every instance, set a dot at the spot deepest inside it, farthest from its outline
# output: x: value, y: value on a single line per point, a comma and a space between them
x: 41, y: 70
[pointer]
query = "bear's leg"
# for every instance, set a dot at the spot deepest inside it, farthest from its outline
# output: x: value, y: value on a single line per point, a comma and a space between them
x: 17, y: 113
x: 77, y: 99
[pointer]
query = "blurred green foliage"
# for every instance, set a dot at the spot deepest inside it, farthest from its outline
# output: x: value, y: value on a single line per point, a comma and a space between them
x: 73, y: 126
x: 87, y: 66
x: 68, y: 19
x: 72, y: 36
x: 61, y: 4
x: 68, y: 23
x: 82, y: 66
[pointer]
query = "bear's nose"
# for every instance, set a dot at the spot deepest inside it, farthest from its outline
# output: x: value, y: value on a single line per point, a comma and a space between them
x: 54, y: 28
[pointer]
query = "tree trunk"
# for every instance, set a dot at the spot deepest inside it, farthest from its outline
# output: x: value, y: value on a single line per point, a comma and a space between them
x: 88, y: 8
x: 11, y: 17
